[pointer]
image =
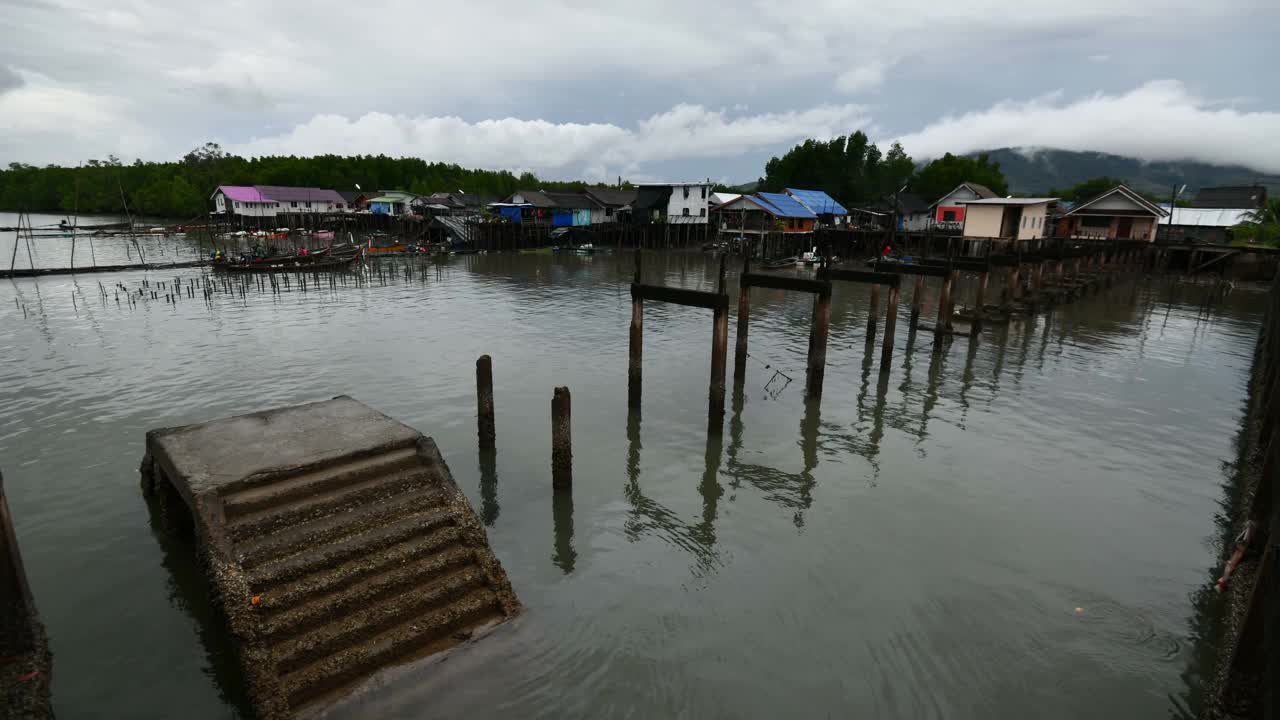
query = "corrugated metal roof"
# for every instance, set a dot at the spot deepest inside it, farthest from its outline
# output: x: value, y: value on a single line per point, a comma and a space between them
x: 818, y: 201
x: 241, y: 193
x: 1013, y: 201
x: 281, y: 193
x: 1210, y: 217
x: 785, y: 205
x: 721, y: 198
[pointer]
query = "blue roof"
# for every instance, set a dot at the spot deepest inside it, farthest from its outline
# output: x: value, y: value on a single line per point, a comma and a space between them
x: 783, y: 205
x: 818, y: 201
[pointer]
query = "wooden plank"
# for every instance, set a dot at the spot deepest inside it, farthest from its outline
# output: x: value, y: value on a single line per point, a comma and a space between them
x: 891, y: 278
x: 680, y: 296
x: 782, y: 282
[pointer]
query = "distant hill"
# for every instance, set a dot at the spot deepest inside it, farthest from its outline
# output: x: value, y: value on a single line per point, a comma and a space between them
x: 1035, y: 172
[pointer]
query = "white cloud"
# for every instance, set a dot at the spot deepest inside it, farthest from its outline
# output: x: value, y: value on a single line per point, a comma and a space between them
x: 1161, y: 120
x: 866, y: 76
x: 597, y: 150
x: 1100, y: 58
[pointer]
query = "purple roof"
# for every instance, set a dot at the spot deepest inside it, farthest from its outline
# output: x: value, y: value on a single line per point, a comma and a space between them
x: 298, y: 194
x: 241, y: 193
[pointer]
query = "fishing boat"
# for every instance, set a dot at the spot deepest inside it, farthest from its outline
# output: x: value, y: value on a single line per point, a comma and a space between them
x: 338, y: 258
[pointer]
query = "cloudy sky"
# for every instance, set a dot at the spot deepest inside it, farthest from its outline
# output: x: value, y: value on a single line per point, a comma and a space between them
x: 661, y: 88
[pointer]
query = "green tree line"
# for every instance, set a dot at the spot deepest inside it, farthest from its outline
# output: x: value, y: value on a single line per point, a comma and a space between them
x: 182, y: 189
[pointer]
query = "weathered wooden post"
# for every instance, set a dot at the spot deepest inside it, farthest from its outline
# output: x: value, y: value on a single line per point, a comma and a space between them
x: 637, y: 344
x: 890, y: 328
x: 980, y: 303
x: 944, y: 309
x: 817, y: 369
x: 744, y: 318
x: 561, y: 441
x: 873, y: 313
x: 484, y: 400
x: 719, y: 358
x: 917, y: 297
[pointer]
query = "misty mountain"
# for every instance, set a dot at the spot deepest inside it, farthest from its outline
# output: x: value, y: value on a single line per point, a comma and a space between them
x: 1035, y: 172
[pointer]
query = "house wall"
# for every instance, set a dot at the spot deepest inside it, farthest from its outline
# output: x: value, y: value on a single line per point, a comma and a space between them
x: 1142, y: 229
x: 696, y: 203
x: 983, y: 221
x: 582, y: 217
x: 244, y: 209
x: 1035, y: 222
x: 915, y: 222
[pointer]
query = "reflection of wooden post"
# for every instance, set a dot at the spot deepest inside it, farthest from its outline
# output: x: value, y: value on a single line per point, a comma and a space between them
x: 744, y: 315
x: 890, y: 327
x: 818, y: 344
x: 873, y: 313
x: 917, y: 297
x: 561, y: 441
x: 484, y: 398
x: 637, y: 345
x: 980, y: 303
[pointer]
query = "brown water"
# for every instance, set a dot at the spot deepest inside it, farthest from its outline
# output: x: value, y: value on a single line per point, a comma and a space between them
x: 915, y: 546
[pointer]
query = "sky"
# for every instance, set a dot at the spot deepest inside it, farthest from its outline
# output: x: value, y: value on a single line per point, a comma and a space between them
x: 662, y: 89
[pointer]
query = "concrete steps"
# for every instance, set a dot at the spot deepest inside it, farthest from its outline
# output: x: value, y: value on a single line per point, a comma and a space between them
x: 331, y: 570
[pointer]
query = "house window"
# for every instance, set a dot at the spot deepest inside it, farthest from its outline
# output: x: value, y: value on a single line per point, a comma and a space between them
x: 948, y: 216
x: 686, y: 192
x: 685, y: 211
x: 293, y: 203
x: 608, y: 212
x: 704, y: 192
x: 237, y: 203
x: 340, y: 206
x: 308, y: 204
x: 702, y: 212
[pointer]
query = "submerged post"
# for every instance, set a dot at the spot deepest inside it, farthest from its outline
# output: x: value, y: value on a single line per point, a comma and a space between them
x: 561, y: 441
x: 817, y: 364
x: 890, y: 326
x: 873, y: 312
x: 637, y: 344
x: 980, y: 303
x: 944, y: 311
x: 484, y: 401
x: 744, y: 317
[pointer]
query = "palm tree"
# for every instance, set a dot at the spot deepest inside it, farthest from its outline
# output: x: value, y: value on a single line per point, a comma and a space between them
x: 1268, y: 214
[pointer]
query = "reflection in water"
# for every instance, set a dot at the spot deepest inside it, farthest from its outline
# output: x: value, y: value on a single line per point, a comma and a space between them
x: 191, y: 593
x: 562, y: 522
x: 489, y: 486
x: 966, y: 381
x: 710, y: 489
x: 649, y: 517
x: 936, y: 363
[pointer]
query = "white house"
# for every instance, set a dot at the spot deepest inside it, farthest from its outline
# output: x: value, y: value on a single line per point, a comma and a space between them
x: 1119, y: 213
x: 260, y: 201
x: 949, y: 211
x: 687, y: 203
x: 243, y: 201
x: 1009, y: 218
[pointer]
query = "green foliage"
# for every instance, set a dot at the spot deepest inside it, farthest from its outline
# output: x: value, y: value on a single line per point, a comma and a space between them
x: 1262, y: 227
x: 182, y: 189
x: 944, y: 174
x: 849, y: 169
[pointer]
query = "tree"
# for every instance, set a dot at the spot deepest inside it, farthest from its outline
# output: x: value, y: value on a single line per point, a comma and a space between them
x: 944, y: 174
x: 1261, y: 226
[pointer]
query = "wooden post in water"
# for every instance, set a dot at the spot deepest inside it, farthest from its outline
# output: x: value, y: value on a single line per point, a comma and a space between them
x: 817, y: 362
x: 944, y: 307
x: 719, y: 358
x: 637, y: 345
x: 561, y: 441
x: 744, y: 316
x: 980, y: 303
x: 873, y: 313
x: 890, y: 327
x: 484, y: 401
x: 917, y: 297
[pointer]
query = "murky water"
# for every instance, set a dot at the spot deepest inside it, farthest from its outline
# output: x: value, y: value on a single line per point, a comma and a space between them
x: 916, y: 545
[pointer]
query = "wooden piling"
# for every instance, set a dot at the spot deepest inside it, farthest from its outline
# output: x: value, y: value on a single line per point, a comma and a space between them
x: 873, y: 312
x: 484, y: 401
x: 917, y: 297
x: 980, y: 303
x: 817, y: 362
x: 744, y: 317
x: 561, y: 440
x: 637, y: 345
x: 890, y: 328
x: 944, y: 311
x: 719, y: 357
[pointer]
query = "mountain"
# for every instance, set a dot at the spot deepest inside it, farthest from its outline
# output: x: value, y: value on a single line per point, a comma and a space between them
x: 1034, y: 172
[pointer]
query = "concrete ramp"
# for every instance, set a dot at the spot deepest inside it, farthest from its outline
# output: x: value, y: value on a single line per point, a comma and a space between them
x: 337, y: 540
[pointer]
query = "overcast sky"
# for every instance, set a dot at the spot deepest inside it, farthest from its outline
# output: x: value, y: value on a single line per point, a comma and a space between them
x: 656, y: 89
